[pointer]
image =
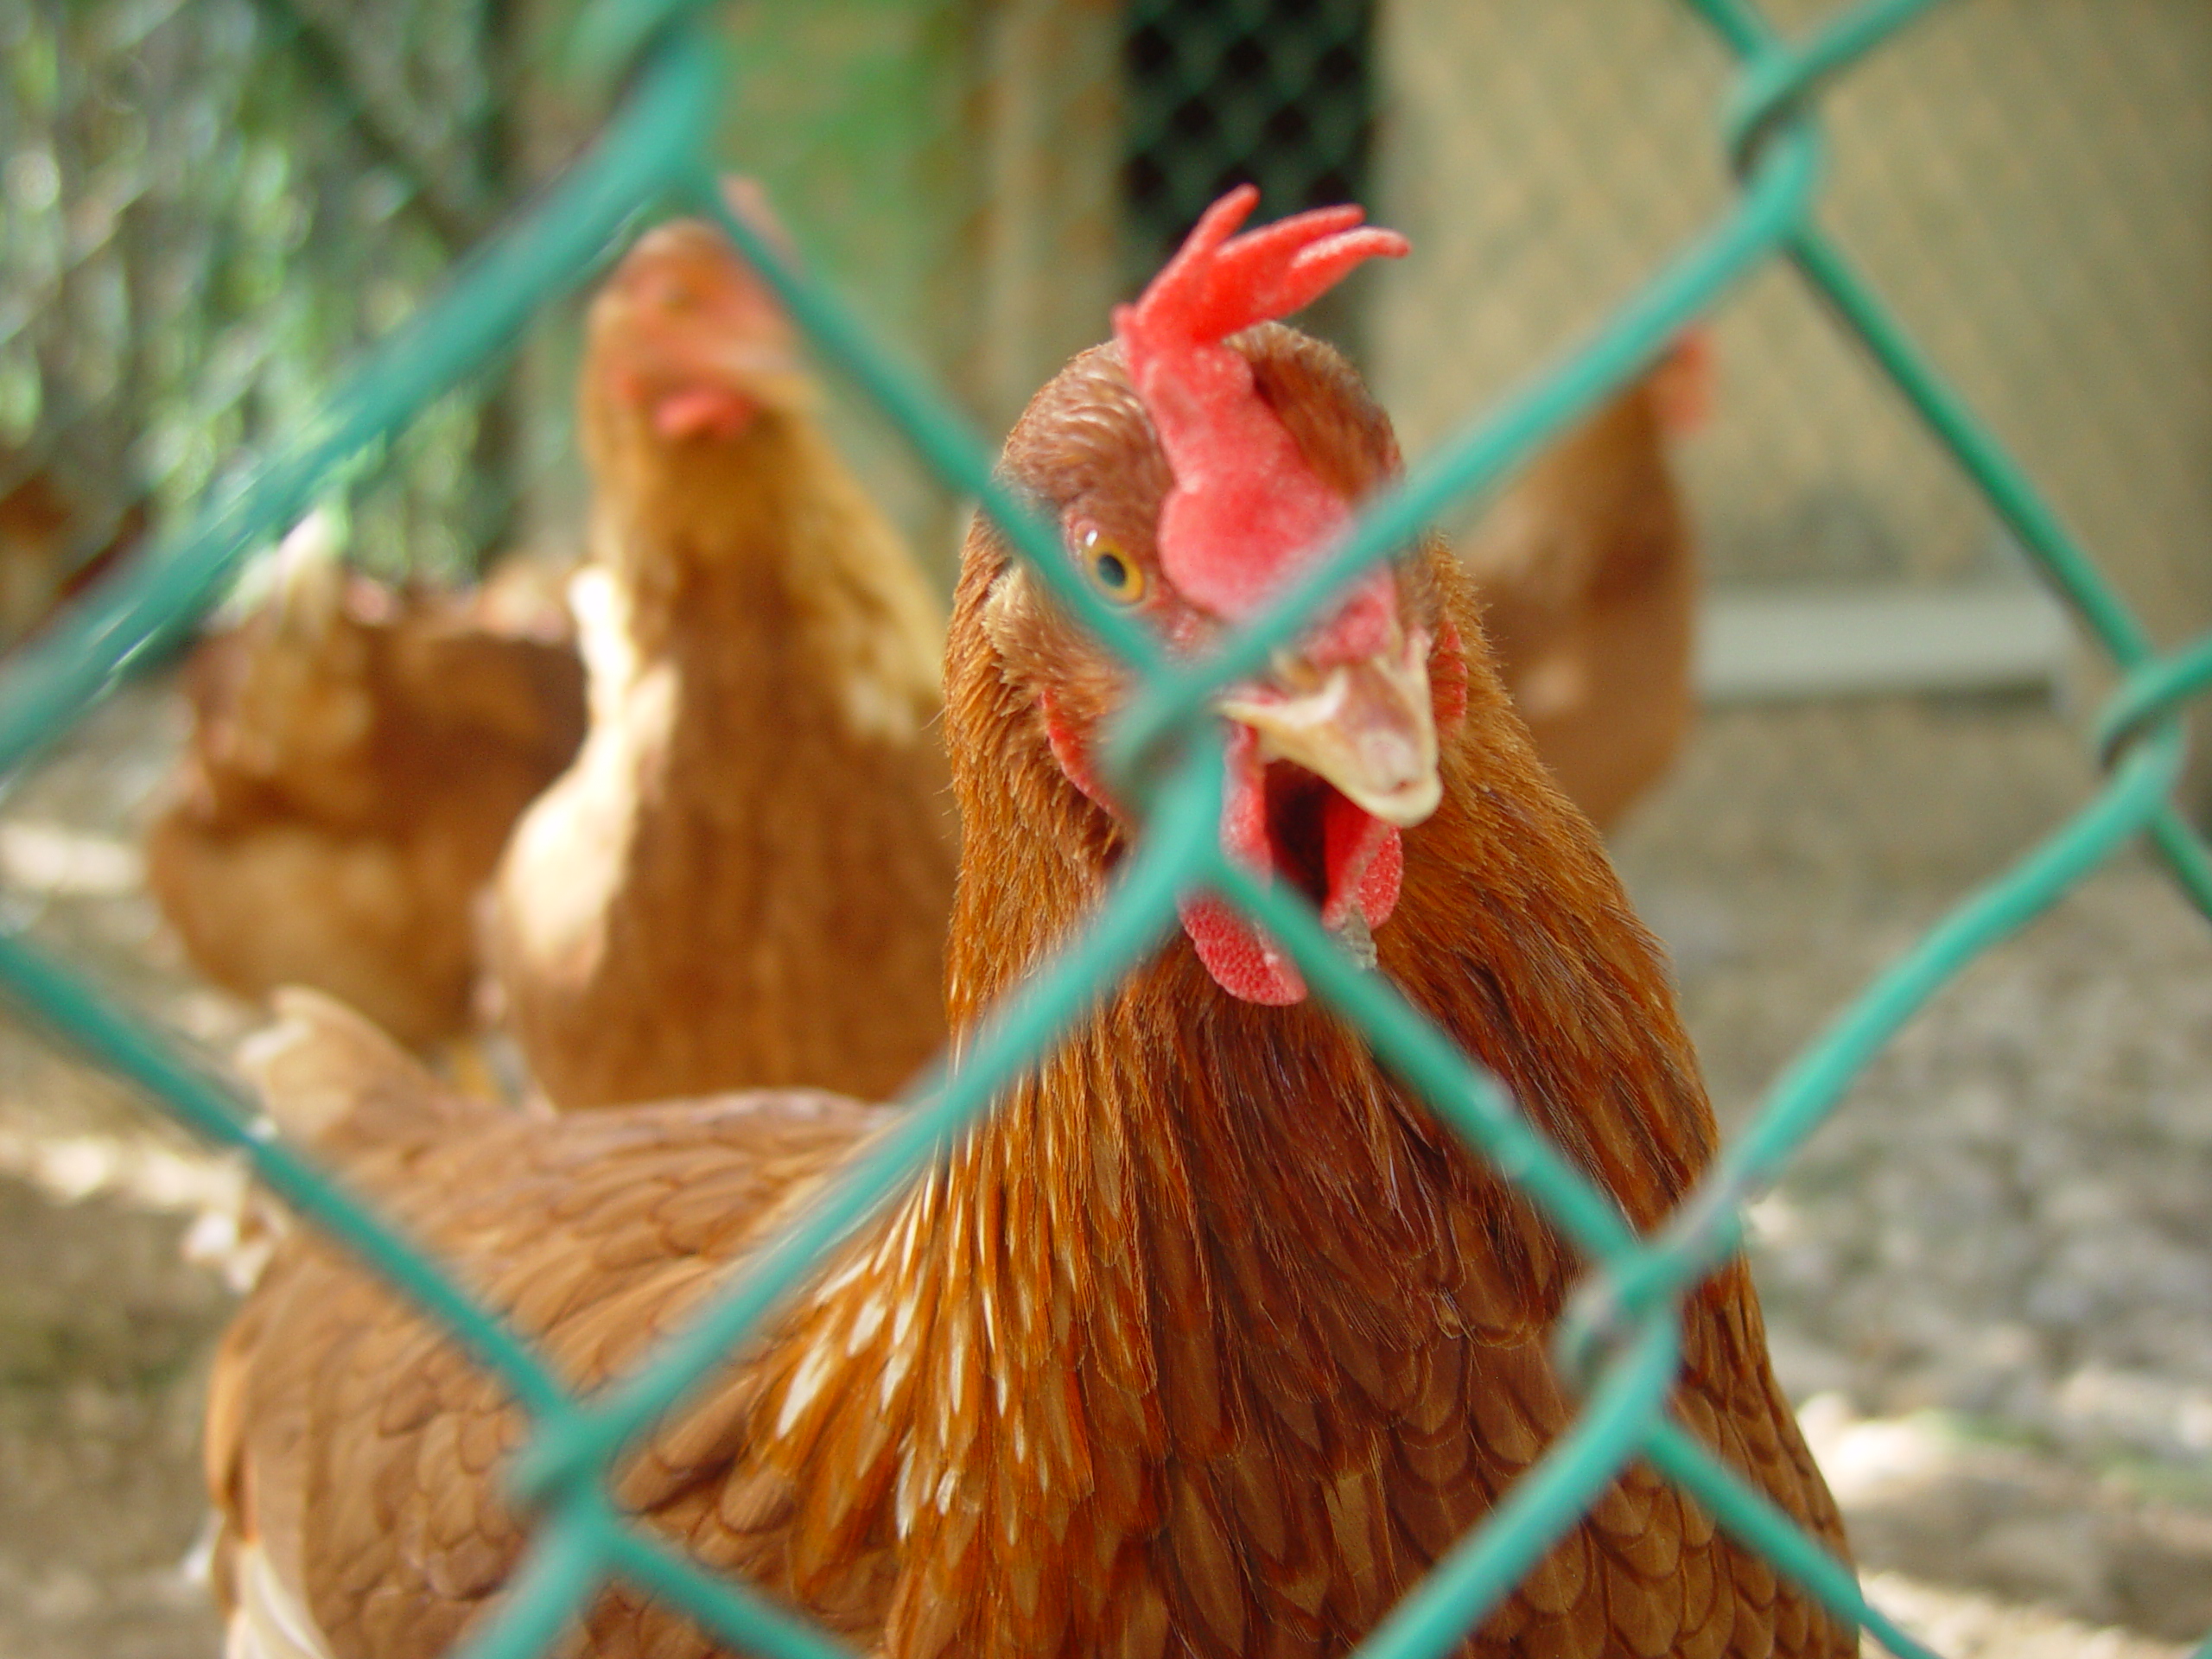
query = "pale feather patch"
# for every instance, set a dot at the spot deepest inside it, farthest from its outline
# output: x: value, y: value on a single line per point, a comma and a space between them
x: 921, y: 1213
x: 1008, y: 608
x: 269, y: 1619
x: 956, y: 1362
x: 806, y: 1385
x: 866, y: 1321
x: 907, y: 1500
x: 317, y: 1063
x: 569, y: 857
x: 876, y: 628
x: 601, y: 608
x: 881, y: 713
x: 896, y: 1364
x: 850, y: 1274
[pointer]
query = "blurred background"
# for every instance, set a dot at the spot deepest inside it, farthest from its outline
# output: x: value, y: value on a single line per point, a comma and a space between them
x: 210, y: 209
x: 1989, y: 1280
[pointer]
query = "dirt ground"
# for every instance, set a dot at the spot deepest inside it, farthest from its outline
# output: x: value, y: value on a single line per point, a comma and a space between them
x: 1988, y: 1280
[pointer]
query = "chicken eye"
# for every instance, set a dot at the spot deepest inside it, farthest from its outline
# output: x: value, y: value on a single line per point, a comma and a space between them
x: 1114, y: 572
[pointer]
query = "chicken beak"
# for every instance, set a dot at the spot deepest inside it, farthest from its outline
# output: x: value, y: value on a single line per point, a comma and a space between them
x: 1367, y: 727
x: 770, y: 375
x: 715, y: 387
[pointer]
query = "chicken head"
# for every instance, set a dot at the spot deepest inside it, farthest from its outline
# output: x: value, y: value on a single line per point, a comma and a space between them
x: 686, y: 341
x: 1227, y: 468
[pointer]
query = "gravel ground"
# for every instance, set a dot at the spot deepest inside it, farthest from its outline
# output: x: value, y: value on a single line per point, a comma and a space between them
x: 1987, y: 1277
x: 1982, y: 1277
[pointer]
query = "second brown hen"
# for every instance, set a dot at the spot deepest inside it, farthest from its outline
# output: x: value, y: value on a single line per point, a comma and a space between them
x: 744, y: 879
x: 358, y: 757
x: 1588, y: 569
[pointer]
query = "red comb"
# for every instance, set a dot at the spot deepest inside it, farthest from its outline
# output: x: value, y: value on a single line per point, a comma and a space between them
x: 1246, y: 509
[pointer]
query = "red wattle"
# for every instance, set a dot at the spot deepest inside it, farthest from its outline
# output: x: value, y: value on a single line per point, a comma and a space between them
x: 1362, y: 857
x: 1378, y: 888
x: 713, y: 411
x: 1242, y: 959
x: 1069, y: 749
x: 1364, y: 861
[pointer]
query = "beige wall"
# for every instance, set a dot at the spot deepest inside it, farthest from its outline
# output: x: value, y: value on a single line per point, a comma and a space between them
x: 2029, y: 181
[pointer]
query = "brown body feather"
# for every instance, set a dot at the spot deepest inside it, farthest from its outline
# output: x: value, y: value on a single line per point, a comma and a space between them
x: 744, y: 879
x: 1587, y: 571
x: 54, y: 545
x: 351, y: 779
x: 1209, y: 1340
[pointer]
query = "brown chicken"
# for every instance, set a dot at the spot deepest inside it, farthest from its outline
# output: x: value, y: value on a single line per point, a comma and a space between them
x: 51, y: 547
x: 744, y: 878
x: 358, y: 758
x: 1210, y: 1339
x: 1588, y: 570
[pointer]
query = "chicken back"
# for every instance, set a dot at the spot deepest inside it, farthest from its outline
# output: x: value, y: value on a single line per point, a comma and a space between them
x: 744, y: 878
x: 1210, y: 1339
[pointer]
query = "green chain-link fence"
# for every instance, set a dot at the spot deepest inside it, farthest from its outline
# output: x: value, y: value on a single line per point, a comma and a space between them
x: 2026, y: 183
x: 1620, y: 1337
x: 211, y: 209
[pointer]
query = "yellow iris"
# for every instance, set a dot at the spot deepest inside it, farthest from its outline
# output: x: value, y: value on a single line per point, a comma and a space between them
x: 1114, y: 574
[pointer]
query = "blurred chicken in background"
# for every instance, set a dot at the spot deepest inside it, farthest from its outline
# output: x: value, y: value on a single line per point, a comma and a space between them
x: 51, y: 546
x: 1588, y: 569
x: 744, y: 879
x: 358, y: 757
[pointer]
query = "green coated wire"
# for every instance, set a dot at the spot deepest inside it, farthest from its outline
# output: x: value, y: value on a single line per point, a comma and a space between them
x: 1776, y: 81
x: 1140, y: 909
x: 1620, y: 1337
x: 2032, y: 520
x: 71, y: 1009
x: 2186, y: 856
x: 560, y: 1571
x: 1814, y: 1081
x: 2154, y: 689
x: 1465, y: 1096
x: 730, y: 1610
x: 1482, y: 1568
x: 1811, y: 1087
x: 609, y: 37
x: 493, y: 295
x: 1752, y: 1519
x: 1740, y: 24
x: 1635, y: 335
x: 942, y: 440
